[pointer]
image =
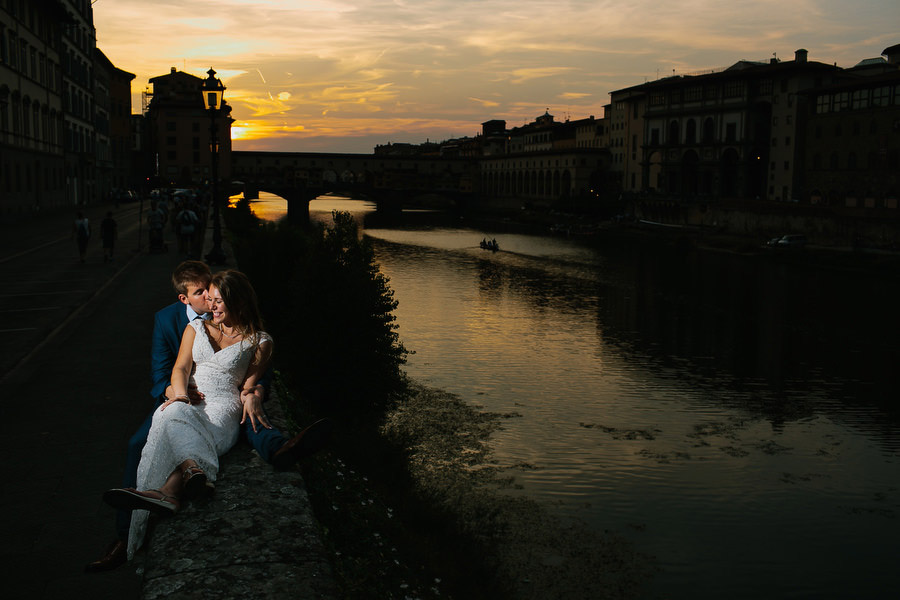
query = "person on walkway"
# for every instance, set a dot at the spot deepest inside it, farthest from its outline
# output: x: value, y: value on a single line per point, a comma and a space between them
x: 81, y: 231
x: 186, y: 223
x: 191, y: 280
x: 225, y: 356
x: 109, y: 232
x: 156, y: 221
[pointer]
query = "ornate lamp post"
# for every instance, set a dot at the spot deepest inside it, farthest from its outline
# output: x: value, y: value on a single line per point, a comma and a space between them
x: 213, y: 91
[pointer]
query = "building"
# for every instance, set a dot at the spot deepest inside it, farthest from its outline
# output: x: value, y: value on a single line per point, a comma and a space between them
x: 112, y: 121
x: 179, y: 130
x: 725, y: 135
x: 32, y: 123
x: 545, y: 163
x: 76, y: 49
x: 853, y: 138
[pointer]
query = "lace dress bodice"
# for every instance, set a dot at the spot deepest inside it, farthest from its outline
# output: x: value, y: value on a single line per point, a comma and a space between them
x: 220, y: 373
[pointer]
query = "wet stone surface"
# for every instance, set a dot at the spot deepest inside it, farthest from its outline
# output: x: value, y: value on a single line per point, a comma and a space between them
x: 255, y: 538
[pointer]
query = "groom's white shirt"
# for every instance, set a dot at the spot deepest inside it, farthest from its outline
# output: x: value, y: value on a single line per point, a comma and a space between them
x: 193, y: 314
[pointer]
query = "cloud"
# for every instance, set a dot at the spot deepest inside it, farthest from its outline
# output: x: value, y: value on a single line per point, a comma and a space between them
x: 370, y: 65
x: 485, y: 103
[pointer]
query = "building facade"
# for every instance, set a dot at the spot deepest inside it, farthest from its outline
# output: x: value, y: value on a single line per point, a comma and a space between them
x: 78, y: 43
x: 179, y: 131
x: 725, y: 135
x: 853, y: 136
x: 32, y: 123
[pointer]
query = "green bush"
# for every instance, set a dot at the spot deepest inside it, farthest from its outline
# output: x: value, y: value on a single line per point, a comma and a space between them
x: 330, y: 311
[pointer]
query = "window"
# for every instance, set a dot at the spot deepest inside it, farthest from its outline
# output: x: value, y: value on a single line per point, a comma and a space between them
x: 730, y: 132
x: 709, y: 130
x: 860, y: 99
x: 673, y: 132
x: 823, y: 104
x: 734, y: 89
x: 841, y: 101
x: 693, y: 93
x: 691, y: 134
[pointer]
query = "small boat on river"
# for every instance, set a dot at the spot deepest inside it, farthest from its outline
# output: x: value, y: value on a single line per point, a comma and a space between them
x: 489, y: 245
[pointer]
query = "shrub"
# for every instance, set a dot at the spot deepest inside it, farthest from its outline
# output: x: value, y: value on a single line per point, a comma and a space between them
x: 330, y: 310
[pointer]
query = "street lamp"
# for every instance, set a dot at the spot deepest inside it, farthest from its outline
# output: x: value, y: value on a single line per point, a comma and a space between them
x: 213, y: 92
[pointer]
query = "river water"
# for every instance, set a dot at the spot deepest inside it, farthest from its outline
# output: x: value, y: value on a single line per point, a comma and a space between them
x: 734, y: 417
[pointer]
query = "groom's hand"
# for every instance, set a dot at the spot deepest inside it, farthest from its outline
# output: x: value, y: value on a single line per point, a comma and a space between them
x: 252, y: 400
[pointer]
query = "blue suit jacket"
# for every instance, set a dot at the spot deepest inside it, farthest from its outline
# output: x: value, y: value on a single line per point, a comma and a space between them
x: 168, y: 327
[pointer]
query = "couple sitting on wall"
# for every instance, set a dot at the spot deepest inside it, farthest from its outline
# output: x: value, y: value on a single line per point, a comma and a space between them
x: 209, y: 364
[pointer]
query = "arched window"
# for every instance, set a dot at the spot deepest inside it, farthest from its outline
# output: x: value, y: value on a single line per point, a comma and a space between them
x: 690, y: 136
x: 673, y: 133
x: 709, y: 130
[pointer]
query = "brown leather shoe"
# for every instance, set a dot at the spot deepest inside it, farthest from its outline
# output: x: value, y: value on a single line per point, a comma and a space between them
x: 116, y: 555
x: 310, y: 440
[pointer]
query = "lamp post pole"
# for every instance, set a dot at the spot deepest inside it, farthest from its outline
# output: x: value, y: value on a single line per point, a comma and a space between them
x: 213, y: 91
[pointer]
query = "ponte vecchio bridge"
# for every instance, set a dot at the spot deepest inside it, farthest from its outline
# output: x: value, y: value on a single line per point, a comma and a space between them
x: 391, y: 182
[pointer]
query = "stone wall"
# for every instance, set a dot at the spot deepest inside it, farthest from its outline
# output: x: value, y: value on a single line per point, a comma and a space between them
x: 256, y: 537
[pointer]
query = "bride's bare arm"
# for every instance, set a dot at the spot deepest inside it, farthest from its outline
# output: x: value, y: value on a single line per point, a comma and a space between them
x: 181, y: 372
x: 251, y: 392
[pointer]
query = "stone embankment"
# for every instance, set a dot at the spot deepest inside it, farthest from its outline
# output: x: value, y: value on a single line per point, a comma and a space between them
x: 255, y: 538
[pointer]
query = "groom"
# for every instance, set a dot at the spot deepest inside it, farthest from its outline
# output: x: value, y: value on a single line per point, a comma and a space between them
x: 191, y: 280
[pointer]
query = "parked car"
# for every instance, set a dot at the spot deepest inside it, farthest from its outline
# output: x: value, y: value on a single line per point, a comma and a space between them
x: 792, y: 240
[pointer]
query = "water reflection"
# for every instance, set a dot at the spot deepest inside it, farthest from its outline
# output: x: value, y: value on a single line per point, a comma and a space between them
x: 733, y: 415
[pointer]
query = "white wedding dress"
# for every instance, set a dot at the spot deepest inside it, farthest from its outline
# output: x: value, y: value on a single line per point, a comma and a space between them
x: 201, y: 432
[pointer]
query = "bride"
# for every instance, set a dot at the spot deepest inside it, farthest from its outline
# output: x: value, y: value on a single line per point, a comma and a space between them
x: 228, y: 354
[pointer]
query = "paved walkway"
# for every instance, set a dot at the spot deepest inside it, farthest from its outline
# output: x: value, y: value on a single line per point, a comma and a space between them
x: 70, y: 408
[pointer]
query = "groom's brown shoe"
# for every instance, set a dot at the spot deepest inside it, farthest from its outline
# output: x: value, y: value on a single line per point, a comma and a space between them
x: 116, y: 555
x: 310, y: 440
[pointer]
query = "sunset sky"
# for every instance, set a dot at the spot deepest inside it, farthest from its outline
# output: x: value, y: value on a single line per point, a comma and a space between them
x: 345, y: 75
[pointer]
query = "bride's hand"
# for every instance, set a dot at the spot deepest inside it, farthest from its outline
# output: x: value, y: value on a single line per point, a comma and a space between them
x: 252, y: 401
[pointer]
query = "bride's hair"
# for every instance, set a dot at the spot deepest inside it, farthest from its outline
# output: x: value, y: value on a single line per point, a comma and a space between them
x: 240, y: 299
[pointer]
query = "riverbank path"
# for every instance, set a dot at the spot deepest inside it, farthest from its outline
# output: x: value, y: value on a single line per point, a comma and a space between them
x: 75, y: 370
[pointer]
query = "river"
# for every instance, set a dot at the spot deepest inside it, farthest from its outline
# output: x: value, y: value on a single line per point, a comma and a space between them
x: 734, y: 417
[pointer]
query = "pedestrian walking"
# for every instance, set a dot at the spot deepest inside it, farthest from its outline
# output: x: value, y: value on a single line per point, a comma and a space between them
x: 109, y: 231
x: 81, y: 231
x: 156, y: 220
x: 186, y: 222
